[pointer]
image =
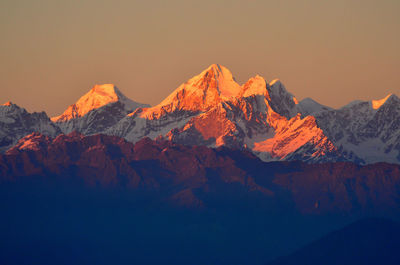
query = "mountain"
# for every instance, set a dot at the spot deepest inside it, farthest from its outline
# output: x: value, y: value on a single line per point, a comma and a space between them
x: 211, y: 109
x: 308, y: 106
x: 16, y: 122
x: 367, y: 241
x: 365, y: 131
x: 188, y: 175
x: 100, y: 108
x: 217, y: 173
x: 104, y: 200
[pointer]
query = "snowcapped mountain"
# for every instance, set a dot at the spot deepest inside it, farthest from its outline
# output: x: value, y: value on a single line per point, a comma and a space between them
x: 211, y: 109
x: 16, y: 122
x: 308, y: 106
x: 204, y: 91
x: 100, y: 108
x: 365, y: 131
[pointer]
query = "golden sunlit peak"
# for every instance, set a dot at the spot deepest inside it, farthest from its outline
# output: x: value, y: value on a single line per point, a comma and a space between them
x: 218, y: 77
x: 105, y: 88
x: 98, y: 96
x: 216, y: 67
x: 218, y: 70
x: 254, y: 86
x: 376, y: 104
x: 8, y: 103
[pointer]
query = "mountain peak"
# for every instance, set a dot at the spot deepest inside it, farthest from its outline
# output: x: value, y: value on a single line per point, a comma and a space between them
x: 97, y: 97
x: 254, y: 86
x: 376, y: 104
x: 216, y: 68
x: 8, y: 103
x: 308, y: 106
x: 105, y: 89
x: 203, y: 91
x: 281, y: 100
x: 219, y: 78
x: 275, y: 82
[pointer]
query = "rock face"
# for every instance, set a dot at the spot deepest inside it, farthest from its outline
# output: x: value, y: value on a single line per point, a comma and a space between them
x: 269, y: 121
x: 197, y: 176
x: 365, y: 132
x: 16, y: 122
x: 211, y: 109
x: 97, y: 110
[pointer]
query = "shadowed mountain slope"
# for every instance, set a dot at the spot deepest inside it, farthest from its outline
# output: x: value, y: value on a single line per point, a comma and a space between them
x: 368, y: 241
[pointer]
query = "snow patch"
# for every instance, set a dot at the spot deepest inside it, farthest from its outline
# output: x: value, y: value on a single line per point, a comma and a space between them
x: 97, y: 97
x: 376, y: 104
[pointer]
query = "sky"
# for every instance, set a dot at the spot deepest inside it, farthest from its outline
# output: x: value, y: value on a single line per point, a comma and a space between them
x: 52, y: 52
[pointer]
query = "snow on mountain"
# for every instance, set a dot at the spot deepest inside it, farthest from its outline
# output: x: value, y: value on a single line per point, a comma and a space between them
x: 308, y: 106
x: 16, y: 122
x: 199, y: 94
x: 365, y: 132
x: 97, y: 97
x: 376, y: 104
x: 212, y: 86
x: 212, y: 109
x: 295, y: 135
x: 100, y: 108
x: 254, y: 86
x: 281, y: 100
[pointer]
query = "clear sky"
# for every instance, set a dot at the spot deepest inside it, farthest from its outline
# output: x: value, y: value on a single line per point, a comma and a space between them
x: 52, y: 52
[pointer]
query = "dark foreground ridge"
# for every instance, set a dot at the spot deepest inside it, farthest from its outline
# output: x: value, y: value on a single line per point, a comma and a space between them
x: 368, y: 241
x: 187, y: 175
x: 102, y: 200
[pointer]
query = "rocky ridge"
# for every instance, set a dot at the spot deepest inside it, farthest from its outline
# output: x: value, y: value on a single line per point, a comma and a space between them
x: 212, y: 110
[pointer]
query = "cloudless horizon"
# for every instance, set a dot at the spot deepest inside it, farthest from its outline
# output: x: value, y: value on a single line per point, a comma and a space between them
x: 53, y: 52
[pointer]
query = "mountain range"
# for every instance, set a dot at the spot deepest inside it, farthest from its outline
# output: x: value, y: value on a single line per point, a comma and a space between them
x: 101, y: 199
x: 212, y: 109
x: 191, y: 176
x: 217, y: 173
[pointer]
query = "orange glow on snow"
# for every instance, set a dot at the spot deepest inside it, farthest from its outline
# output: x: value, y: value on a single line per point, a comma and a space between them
x: 376, y: 104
